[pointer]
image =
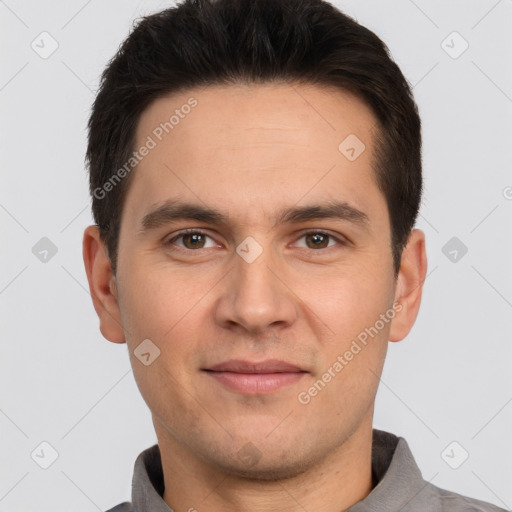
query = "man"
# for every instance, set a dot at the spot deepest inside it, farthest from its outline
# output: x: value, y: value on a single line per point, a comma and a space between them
x: 255, y: 169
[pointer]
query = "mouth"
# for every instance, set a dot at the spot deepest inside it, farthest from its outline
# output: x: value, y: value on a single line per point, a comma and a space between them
x: 255, y: 378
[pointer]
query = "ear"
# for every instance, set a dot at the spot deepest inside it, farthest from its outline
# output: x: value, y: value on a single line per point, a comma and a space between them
x: 102, y: 285
x: 411, y: 275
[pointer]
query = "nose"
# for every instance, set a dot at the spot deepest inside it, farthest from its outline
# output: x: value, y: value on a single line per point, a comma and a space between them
x: 256, y: 296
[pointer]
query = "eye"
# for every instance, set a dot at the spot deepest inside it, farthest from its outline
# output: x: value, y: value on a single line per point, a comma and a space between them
x: 320, y: 240
x: 192, y: 239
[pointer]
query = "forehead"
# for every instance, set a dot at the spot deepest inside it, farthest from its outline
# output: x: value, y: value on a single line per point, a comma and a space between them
x: 255, y: 113
x: 235, y: 145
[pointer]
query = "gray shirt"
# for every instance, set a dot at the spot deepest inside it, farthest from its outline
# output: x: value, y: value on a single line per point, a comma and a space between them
x: 400, y: 486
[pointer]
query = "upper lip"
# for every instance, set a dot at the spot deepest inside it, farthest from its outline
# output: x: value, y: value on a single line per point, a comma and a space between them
x: 268, y: 366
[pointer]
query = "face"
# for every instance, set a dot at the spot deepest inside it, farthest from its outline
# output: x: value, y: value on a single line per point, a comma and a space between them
x: 255, y: 255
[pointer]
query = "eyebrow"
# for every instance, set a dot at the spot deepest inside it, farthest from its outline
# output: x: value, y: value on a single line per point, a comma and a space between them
x: 174, y: 210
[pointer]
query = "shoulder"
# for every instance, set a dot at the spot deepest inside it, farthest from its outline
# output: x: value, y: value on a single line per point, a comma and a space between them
x: 122, y: 507
x: 453, y: 502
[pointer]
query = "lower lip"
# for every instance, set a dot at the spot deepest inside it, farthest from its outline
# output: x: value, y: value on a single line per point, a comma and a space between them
x: 256, y: 383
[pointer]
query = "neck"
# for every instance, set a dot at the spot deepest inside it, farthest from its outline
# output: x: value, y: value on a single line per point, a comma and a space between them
x: 335, y: 483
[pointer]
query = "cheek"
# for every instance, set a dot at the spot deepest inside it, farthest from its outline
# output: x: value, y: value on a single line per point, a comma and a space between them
x: 349, y: 301
x: 355, y: 344
x: 156, y: 300
x: 352, y: 352
x: 164, y: 307
x: 166, y: 392
x: 157, y: 309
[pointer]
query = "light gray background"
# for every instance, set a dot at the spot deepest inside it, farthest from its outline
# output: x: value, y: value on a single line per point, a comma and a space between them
x: 62, y: 383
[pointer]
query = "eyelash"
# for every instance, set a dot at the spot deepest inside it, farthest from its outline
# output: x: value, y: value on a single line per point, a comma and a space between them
x: 341, y: 240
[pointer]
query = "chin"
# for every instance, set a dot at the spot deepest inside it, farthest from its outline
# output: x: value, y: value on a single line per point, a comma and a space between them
x: 264, y: 462
x: 268, y: 471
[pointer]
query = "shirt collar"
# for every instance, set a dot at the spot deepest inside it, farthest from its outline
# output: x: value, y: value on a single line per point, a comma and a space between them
x: 400, y: 485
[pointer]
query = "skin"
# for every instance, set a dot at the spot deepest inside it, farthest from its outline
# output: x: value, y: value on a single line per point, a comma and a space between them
x: 250, y: 151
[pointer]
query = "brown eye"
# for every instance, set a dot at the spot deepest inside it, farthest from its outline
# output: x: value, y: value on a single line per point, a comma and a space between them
x: 320, y: 240
x: 192, y: 240
x: 317, y: 240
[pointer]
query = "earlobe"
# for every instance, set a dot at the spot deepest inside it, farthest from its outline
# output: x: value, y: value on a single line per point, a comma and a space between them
x: 102, y: 285
x: 410, y: 279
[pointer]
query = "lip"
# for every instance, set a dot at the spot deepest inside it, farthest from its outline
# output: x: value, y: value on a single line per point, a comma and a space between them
x: 255, y: 378
x: 267, y: 366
